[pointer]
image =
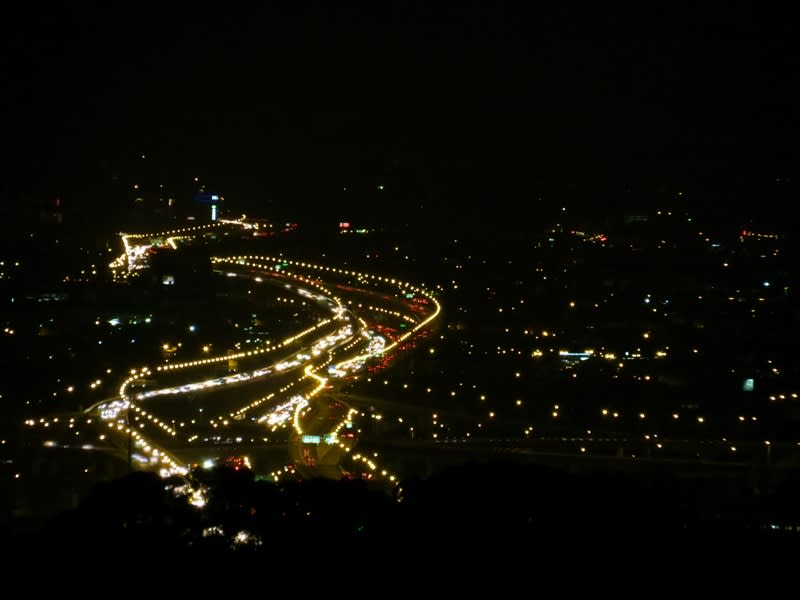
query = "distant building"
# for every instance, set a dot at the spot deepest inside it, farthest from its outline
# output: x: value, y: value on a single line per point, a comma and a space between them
x: 210, y: 203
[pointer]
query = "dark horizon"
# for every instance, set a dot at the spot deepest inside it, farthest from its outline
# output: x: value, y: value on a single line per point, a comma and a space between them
x: 276, y: 105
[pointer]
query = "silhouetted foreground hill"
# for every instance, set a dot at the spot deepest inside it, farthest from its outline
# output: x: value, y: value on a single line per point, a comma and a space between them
x: 477, y: 529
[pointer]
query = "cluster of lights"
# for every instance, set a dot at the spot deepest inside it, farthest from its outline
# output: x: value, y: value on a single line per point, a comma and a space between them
x: 343, y: 339
x: 216, y: 359
x: 786, y: 396
x: 760, y: 236
x: 283, y: 413
x: 284, y: 365
x: 134, y: 257
x: 153, y: 419
x: 287, y: 469
x: 254, y: 404
x: 373, y: 467
x: 346, y: 423
x: 159, y: 460
x: 375, y: 347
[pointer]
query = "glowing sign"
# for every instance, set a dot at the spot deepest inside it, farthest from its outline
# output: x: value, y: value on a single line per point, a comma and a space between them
x: 328, y: 438
x: 565, y: 355
x: 206, y: 198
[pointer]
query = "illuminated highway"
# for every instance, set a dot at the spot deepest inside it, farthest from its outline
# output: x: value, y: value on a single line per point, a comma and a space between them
x: 172, y: 416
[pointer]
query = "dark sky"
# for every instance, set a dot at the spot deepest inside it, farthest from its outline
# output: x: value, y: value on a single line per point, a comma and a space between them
x: 453, y: 104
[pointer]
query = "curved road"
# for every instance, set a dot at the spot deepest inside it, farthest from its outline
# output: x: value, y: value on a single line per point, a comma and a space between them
x: 288, y: 378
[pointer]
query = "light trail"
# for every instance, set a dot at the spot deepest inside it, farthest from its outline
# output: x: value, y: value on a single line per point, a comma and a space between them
x: 352, y: 340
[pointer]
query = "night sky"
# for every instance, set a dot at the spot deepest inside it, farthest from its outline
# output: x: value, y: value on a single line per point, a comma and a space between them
x: 475, y: 107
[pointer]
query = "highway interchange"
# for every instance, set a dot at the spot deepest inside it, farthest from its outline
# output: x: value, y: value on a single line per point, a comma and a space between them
x: 173, y: 416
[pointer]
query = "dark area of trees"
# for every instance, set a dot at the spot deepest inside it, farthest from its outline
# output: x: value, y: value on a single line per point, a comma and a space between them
x: 478, y: 528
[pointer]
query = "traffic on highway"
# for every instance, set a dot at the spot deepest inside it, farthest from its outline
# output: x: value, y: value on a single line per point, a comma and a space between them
x: 172, y: 417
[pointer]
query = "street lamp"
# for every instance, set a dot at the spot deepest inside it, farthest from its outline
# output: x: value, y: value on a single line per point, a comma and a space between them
x: 140, y: 382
